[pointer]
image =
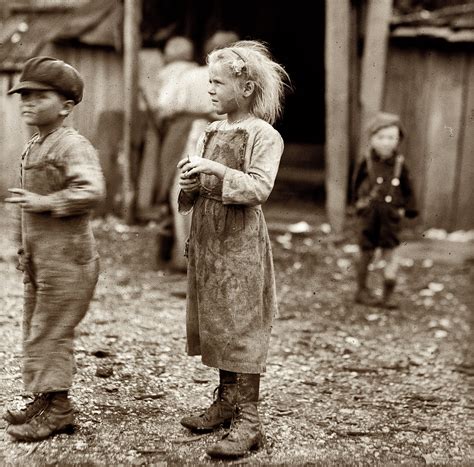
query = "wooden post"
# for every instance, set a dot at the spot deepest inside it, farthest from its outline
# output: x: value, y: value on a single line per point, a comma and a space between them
x: 337, y: 62
x: 131, y: 43
x: 4, y: 11
x: 373, y: 63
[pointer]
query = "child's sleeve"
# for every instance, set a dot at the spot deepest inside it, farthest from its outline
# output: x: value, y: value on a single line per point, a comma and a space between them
x: 359, y: 176
x: 254, y: 186
x: 84, y: 181
x: 186, y: 200
x: 408, y: 194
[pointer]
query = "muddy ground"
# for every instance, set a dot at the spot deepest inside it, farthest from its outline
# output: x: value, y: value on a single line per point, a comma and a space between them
x: 345, y: 385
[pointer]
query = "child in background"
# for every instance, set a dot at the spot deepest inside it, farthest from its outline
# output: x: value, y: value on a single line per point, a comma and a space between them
x: 383, y: 196
x: 61, y: 182
x: 231, y: 285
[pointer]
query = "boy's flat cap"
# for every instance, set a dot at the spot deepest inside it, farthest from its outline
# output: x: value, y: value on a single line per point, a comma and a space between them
x: 50, y: 74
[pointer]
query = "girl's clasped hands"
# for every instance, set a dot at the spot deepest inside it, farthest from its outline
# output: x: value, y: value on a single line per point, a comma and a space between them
x: 192, y: 166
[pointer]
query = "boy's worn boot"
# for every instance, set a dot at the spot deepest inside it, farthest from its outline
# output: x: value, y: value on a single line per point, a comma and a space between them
x: 57, y: 417
x: 221, y: 410
x: 245, y: 432
x: 363, y: 295
x: 18, y: 417
x: 388, y: 301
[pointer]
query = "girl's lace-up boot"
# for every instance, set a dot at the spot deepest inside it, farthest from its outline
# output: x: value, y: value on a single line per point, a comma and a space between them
x: 246, y: 431
x: 221, y: 410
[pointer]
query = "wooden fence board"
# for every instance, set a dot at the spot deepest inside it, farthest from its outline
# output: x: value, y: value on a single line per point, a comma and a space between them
x: 445, y: 84
x: 407, y: 96
x: 13, y: 136
x: 102, y: 75
x: 337, y: 61
x: 464, y: 207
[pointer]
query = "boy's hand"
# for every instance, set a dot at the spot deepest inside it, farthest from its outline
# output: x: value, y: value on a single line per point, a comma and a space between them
x: 31, y: 202
x: 192, y: 166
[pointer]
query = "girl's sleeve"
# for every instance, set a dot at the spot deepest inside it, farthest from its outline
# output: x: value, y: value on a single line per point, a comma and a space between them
x: 186, y: 200
x: 254, y: 186
x: 406, y: 187
x: 84, y: 180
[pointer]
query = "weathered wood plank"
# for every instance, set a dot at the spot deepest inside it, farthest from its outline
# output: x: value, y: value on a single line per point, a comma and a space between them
x: 374, y: 62
x: 13, y: 135
x: 337, y: 58
x: 442, y: 137
x: 132, y: 39
x: 463, y: 214
x: 408, y: 70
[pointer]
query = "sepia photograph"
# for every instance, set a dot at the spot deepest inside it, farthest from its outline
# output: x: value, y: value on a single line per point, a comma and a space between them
x: 236, y: 233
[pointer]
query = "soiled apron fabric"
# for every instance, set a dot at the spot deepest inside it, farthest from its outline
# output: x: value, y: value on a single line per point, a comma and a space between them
x: 61, y: 260
x: 231, y: 286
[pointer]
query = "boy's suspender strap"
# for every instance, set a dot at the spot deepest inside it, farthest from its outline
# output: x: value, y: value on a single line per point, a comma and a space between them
x: 370, y: 170
x: 397, y: 170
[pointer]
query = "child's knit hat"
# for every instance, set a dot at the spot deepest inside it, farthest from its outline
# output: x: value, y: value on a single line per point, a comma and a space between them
x: 384, y: 120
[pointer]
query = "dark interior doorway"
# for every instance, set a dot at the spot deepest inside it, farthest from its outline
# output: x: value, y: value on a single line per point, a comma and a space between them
x: 295, y: 35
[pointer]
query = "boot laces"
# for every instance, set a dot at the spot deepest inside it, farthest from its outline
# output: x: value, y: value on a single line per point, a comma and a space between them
x: 236, y: 422
x: 39, y: 398
x: 217, y: 396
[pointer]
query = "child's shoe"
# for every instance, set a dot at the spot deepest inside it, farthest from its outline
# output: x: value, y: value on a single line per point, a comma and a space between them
x: 363, y: 296
x: 244, y: 435
x: 388, y: 300
x: 245, y: 432
x: 18, y: 417
x: 218, y: 414
x: 57, y: 417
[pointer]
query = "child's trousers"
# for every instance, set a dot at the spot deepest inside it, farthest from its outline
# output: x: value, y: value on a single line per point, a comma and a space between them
x: 54, y: 303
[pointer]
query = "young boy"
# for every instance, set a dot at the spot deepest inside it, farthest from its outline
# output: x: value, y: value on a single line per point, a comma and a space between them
x: 61, y: 182
x: 383, y: 195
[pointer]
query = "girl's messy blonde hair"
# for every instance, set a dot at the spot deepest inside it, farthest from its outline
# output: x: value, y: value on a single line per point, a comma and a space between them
x: 251, y: 61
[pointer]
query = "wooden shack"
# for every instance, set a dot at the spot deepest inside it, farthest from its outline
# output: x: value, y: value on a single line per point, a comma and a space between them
x: 347, y: 59
x: 430, y: 83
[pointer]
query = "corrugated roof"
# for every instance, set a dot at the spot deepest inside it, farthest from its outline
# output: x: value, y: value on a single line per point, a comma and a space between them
x: 24, y: 35
x: 451, y: 24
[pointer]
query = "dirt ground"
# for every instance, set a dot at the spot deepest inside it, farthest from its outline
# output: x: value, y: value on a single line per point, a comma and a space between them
x: 345, y: 384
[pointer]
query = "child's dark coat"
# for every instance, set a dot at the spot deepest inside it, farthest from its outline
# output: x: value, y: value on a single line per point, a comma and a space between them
x: 379, y: 197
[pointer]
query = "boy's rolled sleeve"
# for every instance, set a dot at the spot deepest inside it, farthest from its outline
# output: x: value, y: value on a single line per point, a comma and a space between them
x: 84, y: 180
x: 254, y: 186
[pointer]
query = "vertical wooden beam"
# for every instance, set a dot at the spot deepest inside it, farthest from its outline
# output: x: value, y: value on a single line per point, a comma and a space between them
x: 463, y: 217
x: 132, y: 43
x: 337, y: 63
x: 4, y: 11
x: 373, y: 62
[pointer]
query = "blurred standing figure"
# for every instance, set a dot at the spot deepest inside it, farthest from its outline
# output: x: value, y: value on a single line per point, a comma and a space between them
x: 383, y: 196
x: 231, y: 284
x: 174, y: 124
x: 61, y: 182
x: 193, y: 100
